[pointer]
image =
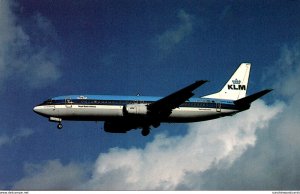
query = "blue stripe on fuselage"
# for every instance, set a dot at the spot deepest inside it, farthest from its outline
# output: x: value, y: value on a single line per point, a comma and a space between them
x: 108, y: 97
x: 135, y: 98
x: 123, y: 100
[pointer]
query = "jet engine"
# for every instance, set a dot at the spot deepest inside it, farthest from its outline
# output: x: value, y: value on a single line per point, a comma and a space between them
x: 116, y: 127
x: 135, y: 109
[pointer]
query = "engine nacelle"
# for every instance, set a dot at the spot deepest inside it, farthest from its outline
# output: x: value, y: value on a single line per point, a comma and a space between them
x: 135, y: 109
x: 115, y: 127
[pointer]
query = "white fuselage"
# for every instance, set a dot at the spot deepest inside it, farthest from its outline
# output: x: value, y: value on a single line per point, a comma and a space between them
x: 96, y: 112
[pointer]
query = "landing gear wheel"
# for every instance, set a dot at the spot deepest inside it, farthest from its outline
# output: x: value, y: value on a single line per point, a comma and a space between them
x: 145, y: 131
x: 156, y: 124
x: 59, y: 126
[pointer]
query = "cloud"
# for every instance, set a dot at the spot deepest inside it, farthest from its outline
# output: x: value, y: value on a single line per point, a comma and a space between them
x: 165, y: 162
x: 51, y: 175
x: 170, y: 38
x: 26, y: 56
x: 287, y: 70
x: 22, y: 133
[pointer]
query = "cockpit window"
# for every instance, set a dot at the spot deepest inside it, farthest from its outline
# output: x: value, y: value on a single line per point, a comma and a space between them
x: 49, y: 101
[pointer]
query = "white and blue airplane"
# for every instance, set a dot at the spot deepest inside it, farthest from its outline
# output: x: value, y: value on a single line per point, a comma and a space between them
x: 123, y: 113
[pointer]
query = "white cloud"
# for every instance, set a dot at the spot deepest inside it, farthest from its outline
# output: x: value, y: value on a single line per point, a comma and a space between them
x: 52, y: 175
x: 22, y: 56
x: 164, y: 162
x: 287, y: 70
x: 170, y: 38
x: 21, y: 133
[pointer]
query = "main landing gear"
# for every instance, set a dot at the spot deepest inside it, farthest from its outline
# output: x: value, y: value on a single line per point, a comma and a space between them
x: 145, y: 131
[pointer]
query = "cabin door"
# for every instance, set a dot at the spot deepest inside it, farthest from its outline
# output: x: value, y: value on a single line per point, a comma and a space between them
x: 68, y: 102
x: 218, y: 107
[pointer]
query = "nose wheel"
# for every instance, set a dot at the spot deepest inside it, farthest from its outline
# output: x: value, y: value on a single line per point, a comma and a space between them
x: 57, y: 120
x: 59, y: 126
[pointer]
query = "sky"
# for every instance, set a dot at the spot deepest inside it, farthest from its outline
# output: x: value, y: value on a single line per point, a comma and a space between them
x: 122, y: 47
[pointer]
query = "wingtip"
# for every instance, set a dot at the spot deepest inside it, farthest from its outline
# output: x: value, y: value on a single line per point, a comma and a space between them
x: 266, y: 91
x: 269, y: 90
x: 202, y: 81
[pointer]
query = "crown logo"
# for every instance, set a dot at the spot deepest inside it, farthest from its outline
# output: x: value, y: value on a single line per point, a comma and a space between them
x: 236, y: 81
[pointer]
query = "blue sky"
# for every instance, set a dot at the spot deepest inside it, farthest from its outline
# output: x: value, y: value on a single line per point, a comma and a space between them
x: 53, y: 48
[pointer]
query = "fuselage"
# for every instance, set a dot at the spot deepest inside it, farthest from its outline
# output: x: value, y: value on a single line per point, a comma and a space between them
x: 104, y: 107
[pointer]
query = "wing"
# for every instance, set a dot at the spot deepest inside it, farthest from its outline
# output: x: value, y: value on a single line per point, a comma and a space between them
x: 165, y: 105
x: 156, y: 110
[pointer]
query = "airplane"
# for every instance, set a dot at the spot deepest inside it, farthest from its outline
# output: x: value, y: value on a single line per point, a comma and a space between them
x: 124, y: 113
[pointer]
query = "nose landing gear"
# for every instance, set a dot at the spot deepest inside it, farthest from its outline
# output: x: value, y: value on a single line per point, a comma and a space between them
x: 58, y: 120
x: 59, y: 126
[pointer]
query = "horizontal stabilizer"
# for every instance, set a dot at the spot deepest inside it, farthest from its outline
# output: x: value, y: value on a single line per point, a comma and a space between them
x: 249, y: 99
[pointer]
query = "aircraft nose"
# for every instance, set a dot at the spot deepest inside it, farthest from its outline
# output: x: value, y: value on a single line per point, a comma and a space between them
x: 36, y: 109
x: 42, y: 110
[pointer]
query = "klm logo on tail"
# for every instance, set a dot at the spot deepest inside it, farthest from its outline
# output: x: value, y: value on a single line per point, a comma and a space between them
x: 236, y: 85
